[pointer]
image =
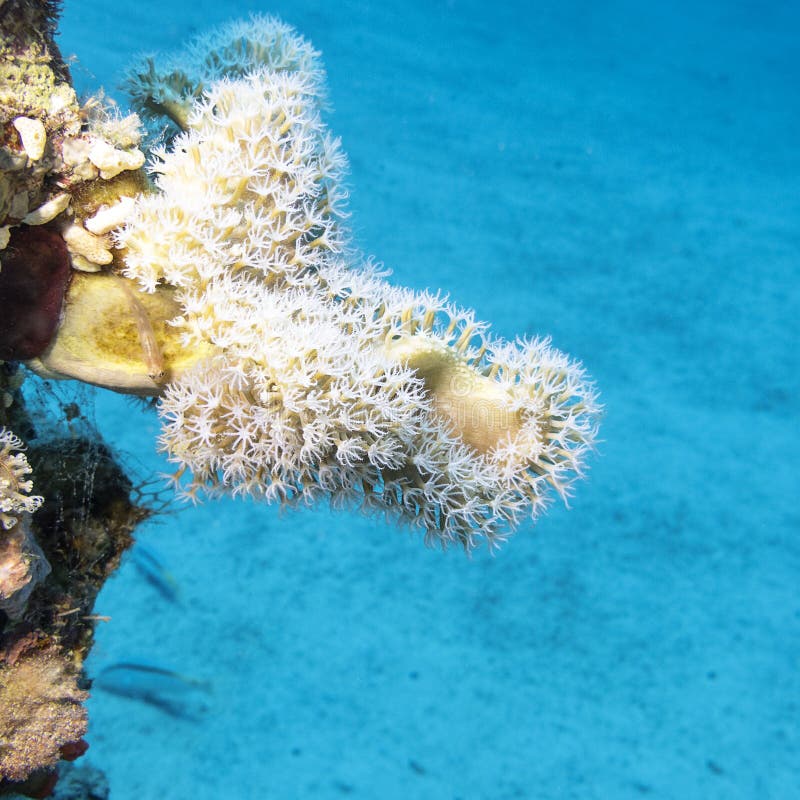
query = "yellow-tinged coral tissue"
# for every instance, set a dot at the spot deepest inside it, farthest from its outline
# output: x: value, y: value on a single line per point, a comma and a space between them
x: 324, y: 379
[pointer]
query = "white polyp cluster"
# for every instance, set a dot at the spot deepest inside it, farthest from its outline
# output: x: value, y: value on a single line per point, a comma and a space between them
x: 168, y: 86
x: 245, y: 46
x: 250, y: 190
x: 370, y: 401
x: 327, y: 381
x: 15, y: 490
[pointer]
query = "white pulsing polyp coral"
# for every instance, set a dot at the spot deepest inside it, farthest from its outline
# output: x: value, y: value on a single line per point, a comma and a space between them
x: 168, y: 87
x: 249, y: 190
x: 15, y: 490
x: 327, y: 381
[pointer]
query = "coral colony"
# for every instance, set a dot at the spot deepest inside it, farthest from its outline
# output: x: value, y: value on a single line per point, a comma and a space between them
x: 315, y: 377
x: 220, y: 279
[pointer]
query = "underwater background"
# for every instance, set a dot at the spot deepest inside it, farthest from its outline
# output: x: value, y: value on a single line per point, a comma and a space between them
x: 625, y: 177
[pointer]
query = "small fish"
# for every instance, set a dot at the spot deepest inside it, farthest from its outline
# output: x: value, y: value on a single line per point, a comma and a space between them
x: 151, y: 352
x: 173, y: 692
x: 152, y: 569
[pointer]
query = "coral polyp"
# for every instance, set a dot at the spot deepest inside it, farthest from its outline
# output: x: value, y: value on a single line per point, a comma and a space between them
x: 15, y: 486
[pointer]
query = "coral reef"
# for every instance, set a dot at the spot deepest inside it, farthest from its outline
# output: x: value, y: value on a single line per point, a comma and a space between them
x: 61, y: 163
x: 38, y: 107
x: 287, y: 369
x: 53, y: 562
x: 22, y: 562
x: 225, y: 284
x: 50, y: 145
x: 68, y: 173
x: 169, y: 86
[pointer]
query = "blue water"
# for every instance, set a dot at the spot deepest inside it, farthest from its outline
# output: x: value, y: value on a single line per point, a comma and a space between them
x: 625, y: 177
